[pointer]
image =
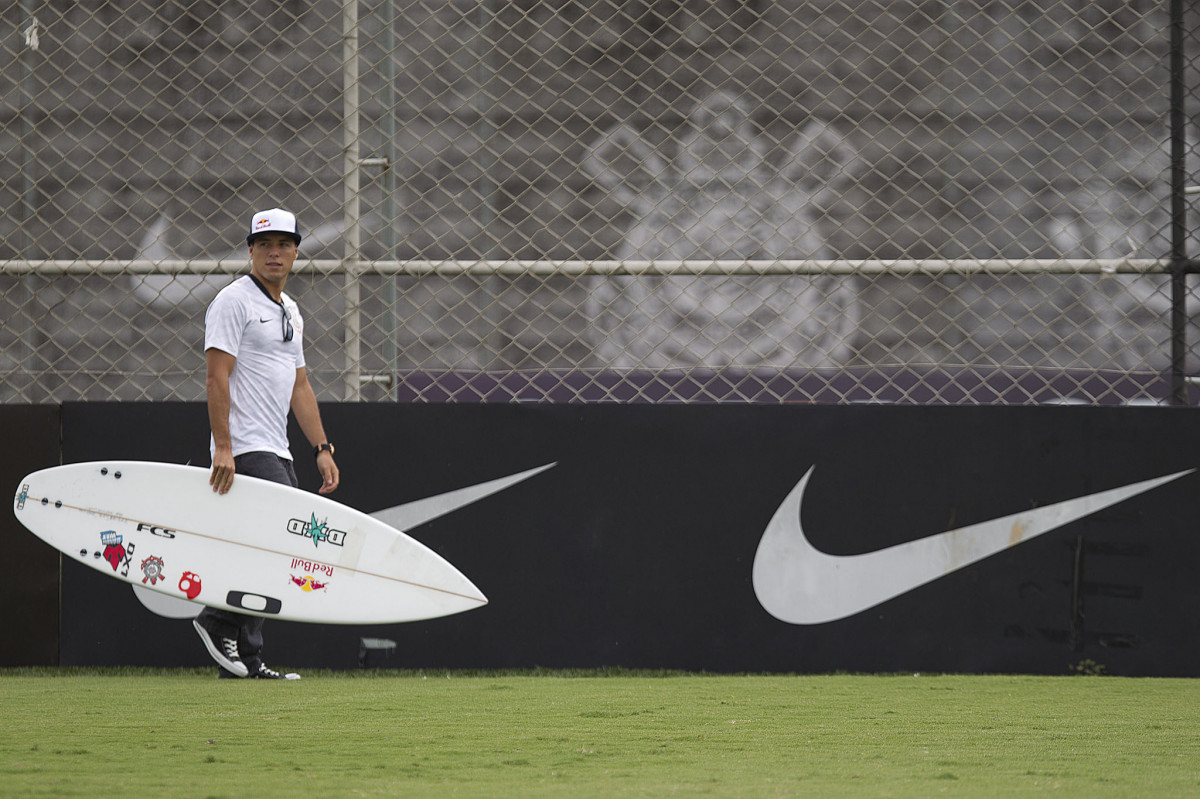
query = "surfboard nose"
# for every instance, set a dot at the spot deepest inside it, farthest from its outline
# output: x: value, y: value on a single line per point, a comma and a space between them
x: 470, y: 593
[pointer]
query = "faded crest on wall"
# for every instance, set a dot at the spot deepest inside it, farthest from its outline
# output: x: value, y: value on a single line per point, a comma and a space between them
x: 715, y: 193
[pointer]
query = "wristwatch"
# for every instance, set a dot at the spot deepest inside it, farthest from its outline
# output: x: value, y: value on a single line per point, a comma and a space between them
x: 326, y: 447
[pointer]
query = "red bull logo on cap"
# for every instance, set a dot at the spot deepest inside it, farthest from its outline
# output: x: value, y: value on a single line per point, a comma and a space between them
x: 273, y: 220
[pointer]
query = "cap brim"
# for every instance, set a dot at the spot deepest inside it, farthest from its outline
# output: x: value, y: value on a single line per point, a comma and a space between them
x: 295, y: 236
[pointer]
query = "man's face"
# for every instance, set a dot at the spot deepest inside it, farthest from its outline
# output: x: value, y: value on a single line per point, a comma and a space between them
x: 272, y: 256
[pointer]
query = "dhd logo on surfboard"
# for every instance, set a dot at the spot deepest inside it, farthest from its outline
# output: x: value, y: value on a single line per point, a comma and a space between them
x: 318, y: 531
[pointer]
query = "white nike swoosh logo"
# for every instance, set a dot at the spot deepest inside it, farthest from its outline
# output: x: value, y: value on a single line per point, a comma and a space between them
x: 402, y: 517
x: 798, y: 584
x: 412, y: 514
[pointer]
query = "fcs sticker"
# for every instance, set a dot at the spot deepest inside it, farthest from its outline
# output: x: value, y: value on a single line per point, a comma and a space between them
x: 152, y: 529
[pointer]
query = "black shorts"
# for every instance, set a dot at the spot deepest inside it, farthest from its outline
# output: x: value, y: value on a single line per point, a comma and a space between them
x: 267, y: 466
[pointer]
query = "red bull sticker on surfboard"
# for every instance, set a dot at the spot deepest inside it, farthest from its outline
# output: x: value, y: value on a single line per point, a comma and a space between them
x: 308, y: 583
x: 308, y: 568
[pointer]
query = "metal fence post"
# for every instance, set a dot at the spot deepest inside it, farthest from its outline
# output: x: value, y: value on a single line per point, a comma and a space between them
x: 1179, y: 264
x: 352, y: 249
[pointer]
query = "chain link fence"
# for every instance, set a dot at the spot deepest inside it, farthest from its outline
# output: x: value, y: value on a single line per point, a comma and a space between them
x: 877, y: 200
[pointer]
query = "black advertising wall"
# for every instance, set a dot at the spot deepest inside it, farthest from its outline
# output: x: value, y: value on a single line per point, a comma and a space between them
x: 637, y: 547
x: 29, y: 589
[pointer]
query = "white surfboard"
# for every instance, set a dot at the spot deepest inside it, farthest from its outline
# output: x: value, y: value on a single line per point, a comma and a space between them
x: 263, y: 548
x: 402, y: 517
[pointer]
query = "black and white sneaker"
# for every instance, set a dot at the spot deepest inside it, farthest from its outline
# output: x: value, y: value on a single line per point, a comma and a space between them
x: 265, y: 673
x: 223, y: 650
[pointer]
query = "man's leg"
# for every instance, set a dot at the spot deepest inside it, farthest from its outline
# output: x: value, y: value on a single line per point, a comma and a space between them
x: 220, y: 632
x: 217, y: 625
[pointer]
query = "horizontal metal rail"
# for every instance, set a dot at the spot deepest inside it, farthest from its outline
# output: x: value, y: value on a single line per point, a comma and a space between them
x: 550, y: 268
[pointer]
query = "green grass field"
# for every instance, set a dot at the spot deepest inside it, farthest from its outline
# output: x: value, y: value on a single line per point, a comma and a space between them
x: 186, y: 734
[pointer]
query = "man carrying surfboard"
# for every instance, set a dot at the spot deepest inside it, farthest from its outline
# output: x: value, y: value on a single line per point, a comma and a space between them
x: 254, y: 359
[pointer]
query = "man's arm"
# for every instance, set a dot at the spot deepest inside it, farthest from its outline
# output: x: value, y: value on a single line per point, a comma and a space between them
x: 219, y: 366
x: 308, y: 415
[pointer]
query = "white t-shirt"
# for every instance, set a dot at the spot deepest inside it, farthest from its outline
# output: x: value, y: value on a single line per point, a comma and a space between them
x: 244, y: 322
